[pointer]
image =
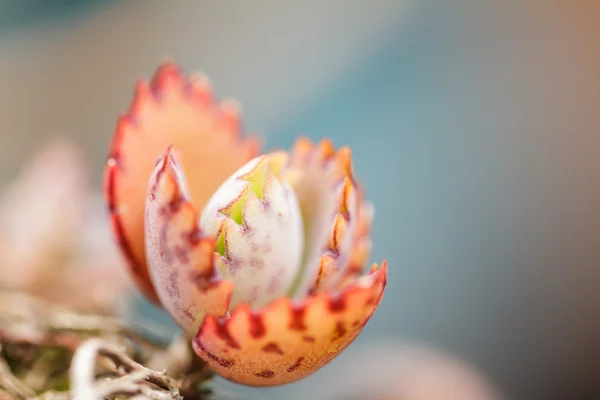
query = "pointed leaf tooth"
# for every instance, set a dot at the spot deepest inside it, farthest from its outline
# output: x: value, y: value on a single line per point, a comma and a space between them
x: 330, y: 268
x: 375, y: 268
x: 338, y: 235
x: 326, y: 150
x: 168, y: 110
x: 180, y: 258
x: 343, y: 160
x: 168, y: 73
x: 303, y: 144
x: 303, y: 148
x: 362, y: 244
x: 201, y: 80
x: 199, y: 87
x: 285, y: 342
x: 327, y: 267
x: 346, y: 198
x: 341, y: 239
x: 234, y: 209
x: 231, y: 111
x: 142, y: 94
x: 258, y: 170
x: 325, y: 190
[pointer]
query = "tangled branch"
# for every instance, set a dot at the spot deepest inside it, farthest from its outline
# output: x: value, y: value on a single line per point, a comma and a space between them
x: 48, y: 352
x: 132, y: 378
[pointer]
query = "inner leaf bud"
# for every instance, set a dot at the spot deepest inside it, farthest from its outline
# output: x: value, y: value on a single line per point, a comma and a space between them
x: 257, y: 223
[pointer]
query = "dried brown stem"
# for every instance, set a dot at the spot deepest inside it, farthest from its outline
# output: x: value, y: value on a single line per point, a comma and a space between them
x: 12, y: 384
x: 36, y: 321
x: 97, y: 356
x: 132, y: 377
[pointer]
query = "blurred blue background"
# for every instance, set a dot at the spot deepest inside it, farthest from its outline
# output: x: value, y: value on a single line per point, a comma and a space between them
x: 474, y: 126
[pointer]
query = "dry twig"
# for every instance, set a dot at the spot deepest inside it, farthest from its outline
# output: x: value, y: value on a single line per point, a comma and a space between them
x: 101, y: 356
x: 132, y: 377
x: 12, y: 384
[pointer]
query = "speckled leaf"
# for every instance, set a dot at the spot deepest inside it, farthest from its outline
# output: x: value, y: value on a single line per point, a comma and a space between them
x: 285, y: 342
x: 180, y: 257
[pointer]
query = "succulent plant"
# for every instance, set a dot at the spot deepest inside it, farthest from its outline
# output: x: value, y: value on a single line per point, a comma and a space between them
x: 63, y: 254
x: 258, y: 258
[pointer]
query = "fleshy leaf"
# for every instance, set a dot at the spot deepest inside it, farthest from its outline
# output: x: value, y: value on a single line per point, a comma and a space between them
x: 361, y: 247
x: 180, y: 257
x: 171, y: 110
x: 285, y: 342
x: 324, y: 184
x: 257, y: 222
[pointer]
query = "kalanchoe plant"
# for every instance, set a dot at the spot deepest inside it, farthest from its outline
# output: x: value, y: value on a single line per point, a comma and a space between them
x: 257, y: 257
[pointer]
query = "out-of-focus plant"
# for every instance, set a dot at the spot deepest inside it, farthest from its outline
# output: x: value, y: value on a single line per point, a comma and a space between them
x: 398, y: 371
x: 64, y: 295
x: 257, y: 257
x: 55, y: 241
